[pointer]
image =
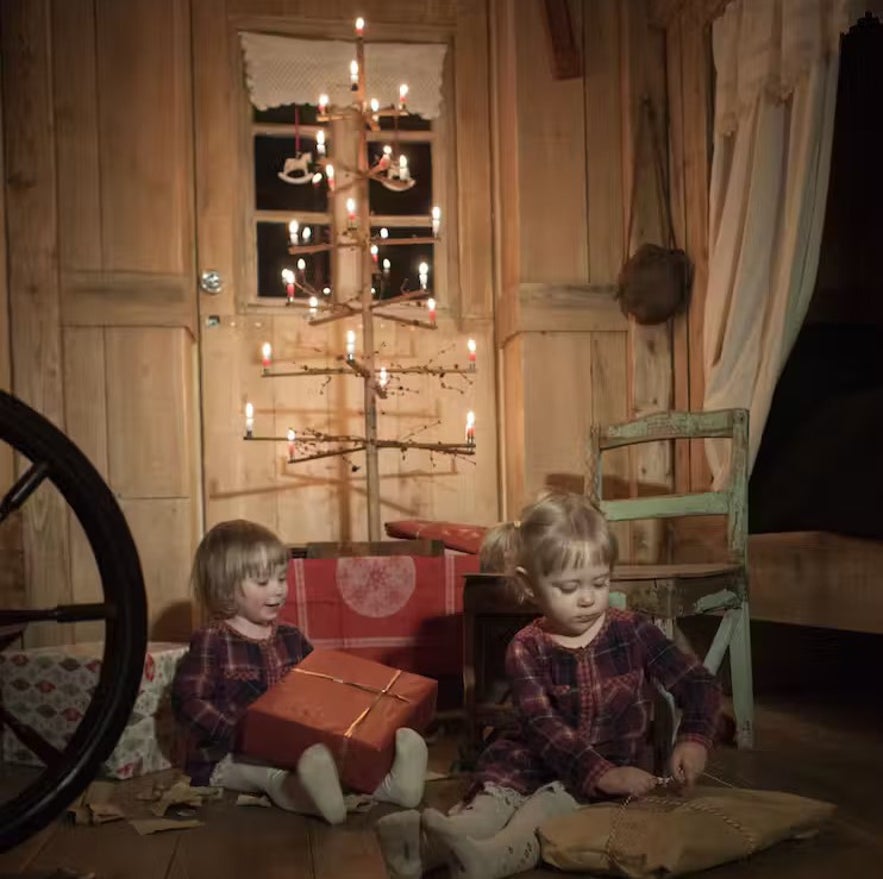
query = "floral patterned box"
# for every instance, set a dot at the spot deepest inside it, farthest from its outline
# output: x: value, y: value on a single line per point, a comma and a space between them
x: 49, y: 689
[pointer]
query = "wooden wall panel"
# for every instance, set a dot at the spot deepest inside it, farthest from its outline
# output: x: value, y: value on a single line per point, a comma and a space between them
x: 605, y: 220
x: 144, y: 134
x: 149, y: 412
x: 162, y: 529
x: 552, y: 160
x: 514, y: 453
x: 76, y: 116
x: 33, y: 280
x: 557, y: 366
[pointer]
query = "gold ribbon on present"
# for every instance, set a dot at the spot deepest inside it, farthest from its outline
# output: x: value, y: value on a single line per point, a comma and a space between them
x: 378, y: 695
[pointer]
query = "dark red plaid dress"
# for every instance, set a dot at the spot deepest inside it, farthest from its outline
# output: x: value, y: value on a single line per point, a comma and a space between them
x: 221, y: 674
x: 582, y: 712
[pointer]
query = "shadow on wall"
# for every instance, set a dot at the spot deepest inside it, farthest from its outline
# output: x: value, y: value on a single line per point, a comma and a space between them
x: 175, y: 623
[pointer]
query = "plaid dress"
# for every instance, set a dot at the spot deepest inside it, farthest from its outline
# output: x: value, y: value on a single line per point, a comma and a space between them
x: 584, y: 711
x: 221, y: 674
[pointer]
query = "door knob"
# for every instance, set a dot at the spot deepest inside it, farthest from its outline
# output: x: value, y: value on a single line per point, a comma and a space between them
x: 211, y: 282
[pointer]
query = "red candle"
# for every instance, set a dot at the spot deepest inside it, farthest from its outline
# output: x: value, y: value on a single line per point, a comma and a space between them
x: 292, y: 437
x: 266, y: 355
x: 471, y: 347
x: 430, y: 307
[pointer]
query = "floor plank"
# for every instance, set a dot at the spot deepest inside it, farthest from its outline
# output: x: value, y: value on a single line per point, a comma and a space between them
x: 815, y: 746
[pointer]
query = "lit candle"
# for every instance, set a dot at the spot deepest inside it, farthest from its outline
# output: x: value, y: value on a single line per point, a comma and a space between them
x: 288, y: 280
x: 470, y: 428
x: 292, y: 437
x: 320, y: 142
x: 430, y: 307
x: 329, y: 174
x: 383, y: 378
x: 374, y: 251
x: 326, y: 291
x: 351, y: 211
x: 404, y: 173
x: 423, y: 272
x: 386, y: 158
x: 375, y: 105
x: 470, y: 347
x: 266, y: 356
x: 301, y: 269
x: 350, y: 345
x: 323, y: 104
x: 387, y: 265
x: 249, y: 420
x: 314, y: 305
x: 384, y: 232
x: 360, y: 26
x: 354, y: 74
x: 307, y: 234
x: 436, y: 220
x: 317, y: 178
x: 294, y: 232
x: 403, y: 94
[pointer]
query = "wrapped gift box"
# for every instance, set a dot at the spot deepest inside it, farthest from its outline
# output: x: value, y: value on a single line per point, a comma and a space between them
x: 50, y: 688
x: 404, y: 611
x: 352, y: 705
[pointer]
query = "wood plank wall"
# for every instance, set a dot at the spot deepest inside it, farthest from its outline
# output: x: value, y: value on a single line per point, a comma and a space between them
x: 99, y: 197
x: 565, y: 167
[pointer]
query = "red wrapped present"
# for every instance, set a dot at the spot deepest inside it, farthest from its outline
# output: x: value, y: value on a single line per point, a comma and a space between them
x: 352, y: 705
x: 402, y: 611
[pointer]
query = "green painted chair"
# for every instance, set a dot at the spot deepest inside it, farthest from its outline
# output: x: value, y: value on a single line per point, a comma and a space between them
x: 668, y: 592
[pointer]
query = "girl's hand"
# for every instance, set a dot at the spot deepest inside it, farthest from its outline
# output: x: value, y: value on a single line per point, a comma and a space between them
x: 688, y: 762
x: 626, y: 781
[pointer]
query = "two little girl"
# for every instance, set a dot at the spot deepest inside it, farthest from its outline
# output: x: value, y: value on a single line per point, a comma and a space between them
x: 240, y: 578
x: 581, y: 676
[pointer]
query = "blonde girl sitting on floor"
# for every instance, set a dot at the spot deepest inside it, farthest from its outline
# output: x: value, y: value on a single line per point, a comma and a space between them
x: 240, y: 577
x: 582, y: 678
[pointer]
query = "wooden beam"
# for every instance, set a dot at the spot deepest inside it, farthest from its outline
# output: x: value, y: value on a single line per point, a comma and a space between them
x: 567, y: 62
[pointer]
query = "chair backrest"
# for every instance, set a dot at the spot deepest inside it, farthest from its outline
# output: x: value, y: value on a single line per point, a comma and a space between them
x: 731, y: 501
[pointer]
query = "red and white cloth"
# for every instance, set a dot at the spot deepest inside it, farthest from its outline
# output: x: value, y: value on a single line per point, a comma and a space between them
x: 403, y: 611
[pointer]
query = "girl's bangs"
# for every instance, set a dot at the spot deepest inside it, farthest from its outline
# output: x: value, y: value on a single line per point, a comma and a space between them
x: 554, y: 555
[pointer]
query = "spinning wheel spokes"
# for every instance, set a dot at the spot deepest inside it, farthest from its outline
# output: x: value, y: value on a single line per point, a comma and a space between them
x: 54, y: 458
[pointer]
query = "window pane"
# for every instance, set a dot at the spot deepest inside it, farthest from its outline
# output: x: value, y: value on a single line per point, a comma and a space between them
x: 404, y: 261
x: 273, y: 257
x: 417, y: 199
x: 274, y: 194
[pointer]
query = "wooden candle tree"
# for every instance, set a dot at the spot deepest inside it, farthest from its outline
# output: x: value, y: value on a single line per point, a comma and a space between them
x: 355, y: 254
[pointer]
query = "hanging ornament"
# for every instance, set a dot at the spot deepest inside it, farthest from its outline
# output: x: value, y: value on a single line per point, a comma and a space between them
x: 297, y: 168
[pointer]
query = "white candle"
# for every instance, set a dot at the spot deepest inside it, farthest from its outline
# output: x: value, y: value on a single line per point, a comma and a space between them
x: 323, y: 103
x: 293, y: 232
x: 387, y: 265
x: 436, y: 220
x: 292, y: 437
x: 320, y: 142
x: 350, y: 345
x: 404, y: 173
x: 288, y: 280
x: 403, y: 94
x: 314, y: 305
x: 354, y: 74
x: 383, y: 378
x: 470, y: 428
x: 423, y: 272
x: 249, y: 420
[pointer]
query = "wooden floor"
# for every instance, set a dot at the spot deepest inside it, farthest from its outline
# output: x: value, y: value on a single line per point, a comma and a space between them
x: 818, y: 747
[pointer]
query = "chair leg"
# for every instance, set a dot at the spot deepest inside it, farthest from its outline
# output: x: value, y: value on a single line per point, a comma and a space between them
x: 740, y: 672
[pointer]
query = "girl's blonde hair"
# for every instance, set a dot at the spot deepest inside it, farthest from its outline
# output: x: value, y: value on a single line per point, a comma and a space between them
x: 561, y: 531
x: 226, y: 555
x: 497, y: 554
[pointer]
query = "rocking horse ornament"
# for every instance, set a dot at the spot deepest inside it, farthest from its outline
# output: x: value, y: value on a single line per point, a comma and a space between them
x: 297, y: 169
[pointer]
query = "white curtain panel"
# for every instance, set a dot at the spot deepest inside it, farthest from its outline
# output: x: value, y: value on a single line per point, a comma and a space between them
x: 776, y: 63
x: 284, y: 70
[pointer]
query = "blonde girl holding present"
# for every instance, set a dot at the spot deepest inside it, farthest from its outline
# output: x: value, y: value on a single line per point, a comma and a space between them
x: 240, y: 578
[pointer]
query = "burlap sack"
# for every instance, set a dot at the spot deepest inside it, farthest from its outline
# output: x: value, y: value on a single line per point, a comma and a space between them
x: 673, y: 835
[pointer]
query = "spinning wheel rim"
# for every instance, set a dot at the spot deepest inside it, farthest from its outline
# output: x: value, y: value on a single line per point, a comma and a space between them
x: 125, y: 641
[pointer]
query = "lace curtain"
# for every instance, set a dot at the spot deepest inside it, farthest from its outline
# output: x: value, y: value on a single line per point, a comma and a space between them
x: 284, y: 70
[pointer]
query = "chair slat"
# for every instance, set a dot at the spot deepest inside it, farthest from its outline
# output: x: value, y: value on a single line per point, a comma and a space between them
x: 708, y: 503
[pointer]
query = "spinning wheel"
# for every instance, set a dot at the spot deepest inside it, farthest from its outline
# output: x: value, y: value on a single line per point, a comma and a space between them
x: 55, y: 458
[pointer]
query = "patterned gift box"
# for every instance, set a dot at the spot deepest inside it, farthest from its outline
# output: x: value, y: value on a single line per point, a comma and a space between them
x: 403, y: 611
x: 49, y: 690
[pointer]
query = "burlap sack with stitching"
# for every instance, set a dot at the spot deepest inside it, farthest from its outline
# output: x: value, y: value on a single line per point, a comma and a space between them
x: 671, y: 835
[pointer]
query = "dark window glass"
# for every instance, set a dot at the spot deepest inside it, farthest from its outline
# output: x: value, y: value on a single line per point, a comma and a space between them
x: 273, y: 257
x: 405, y: 259
x: 274, y: 194
x: 417, y: 199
